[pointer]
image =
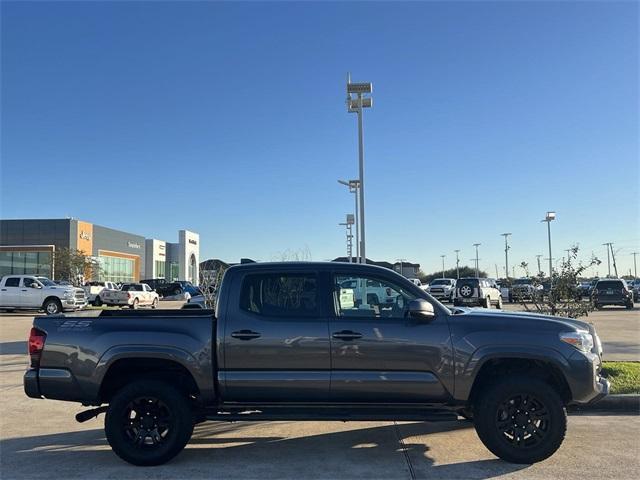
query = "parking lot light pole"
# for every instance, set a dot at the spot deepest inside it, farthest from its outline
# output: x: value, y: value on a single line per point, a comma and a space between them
x: 354, y: 185
x: 506, y: 253
x: 608, y: 258
x: 550, y: 217
x: 635, y: 267
x: 457, y: 264
x: 355, y: 105
x: 477, y: 268
x: 442, y: 256
x: 539, y: 269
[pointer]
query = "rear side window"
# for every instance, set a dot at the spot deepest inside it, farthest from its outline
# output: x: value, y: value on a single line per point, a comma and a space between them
x: 608, y: 284
x: 12, y: 282
x: 280, y: 295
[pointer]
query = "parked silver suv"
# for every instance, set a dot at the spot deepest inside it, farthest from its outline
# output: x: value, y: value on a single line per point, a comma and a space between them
x: 477, y: 292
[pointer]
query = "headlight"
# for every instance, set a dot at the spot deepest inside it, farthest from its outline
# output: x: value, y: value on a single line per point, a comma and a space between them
x: 68, y: 294
x: 582, y: 340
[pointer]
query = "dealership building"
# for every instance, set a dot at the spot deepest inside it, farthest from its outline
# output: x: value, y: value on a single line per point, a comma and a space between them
x: 29, y: 246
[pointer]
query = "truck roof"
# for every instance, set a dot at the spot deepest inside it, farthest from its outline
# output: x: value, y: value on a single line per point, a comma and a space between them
x: 311, y: 265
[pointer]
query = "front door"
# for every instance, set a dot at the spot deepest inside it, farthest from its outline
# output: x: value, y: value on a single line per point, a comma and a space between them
x: 276, y: 340
x: 379, y: 354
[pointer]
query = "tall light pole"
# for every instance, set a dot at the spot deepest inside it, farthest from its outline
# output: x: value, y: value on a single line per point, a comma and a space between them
x: 348, y: 224
x: 457, y: 264
x: 354, y: 186
x: 401, y: 260
x: 355, y: 105
x: 477, y: 269
x: 506, y: 253
x: 635, y: 267
x: 608, y: 258
x: 442, y: 256
x: 538, y: 259
x: 550, y: 217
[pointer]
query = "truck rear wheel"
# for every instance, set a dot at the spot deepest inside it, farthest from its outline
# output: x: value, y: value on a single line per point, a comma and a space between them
x: 148, y: 422
x: 521, y: 419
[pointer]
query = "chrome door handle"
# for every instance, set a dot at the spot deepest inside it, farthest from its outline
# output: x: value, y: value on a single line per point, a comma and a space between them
x: 245, y: 335
x: 347, y: 335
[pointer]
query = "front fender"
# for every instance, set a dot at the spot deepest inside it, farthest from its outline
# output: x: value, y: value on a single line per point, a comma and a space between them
x: 467, y: 374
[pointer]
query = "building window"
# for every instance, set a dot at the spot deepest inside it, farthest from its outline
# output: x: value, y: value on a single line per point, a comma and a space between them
x: 26, y: 263
x: 116, y: 269
x: 159, y: 264
x: 174, y: 272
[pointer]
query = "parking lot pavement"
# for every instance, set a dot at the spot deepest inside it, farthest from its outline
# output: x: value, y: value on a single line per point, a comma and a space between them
x: 618, y: 328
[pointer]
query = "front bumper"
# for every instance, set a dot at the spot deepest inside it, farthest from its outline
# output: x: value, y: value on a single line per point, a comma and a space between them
x: 584, y: 379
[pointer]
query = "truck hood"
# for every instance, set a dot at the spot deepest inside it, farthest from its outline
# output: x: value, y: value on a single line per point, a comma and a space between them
x: 518, y: 316
x: 64, y: 288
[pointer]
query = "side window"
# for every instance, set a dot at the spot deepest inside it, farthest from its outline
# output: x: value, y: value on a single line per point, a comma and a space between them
x: 359, y: 296
x: 146, y: 288
x: 28, y: 281
x: 280, y: 295
x: 12, y: 282
x: 138, y: 288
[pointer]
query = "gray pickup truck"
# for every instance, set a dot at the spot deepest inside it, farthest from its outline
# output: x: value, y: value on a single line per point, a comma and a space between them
x: 296, y: 341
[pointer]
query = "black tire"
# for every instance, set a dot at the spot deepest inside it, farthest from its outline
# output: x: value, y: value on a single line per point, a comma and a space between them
x: 52, y: 306
x: 154, y: 304
x: 456, y: 303
x: 535, y: 430
x: 149, y: 441
x: 629, y: 306
x: 499, y: 304
x: 97, y: 301
x: 177, y: 291
x: 134, y: 305
x: 487, y: 303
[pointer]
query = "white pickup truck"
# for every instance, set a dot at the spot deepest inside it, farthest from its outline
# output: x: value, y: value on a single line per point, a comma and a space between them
x: 132, y: 295
x: 31, y: 292
x: 93, y: 291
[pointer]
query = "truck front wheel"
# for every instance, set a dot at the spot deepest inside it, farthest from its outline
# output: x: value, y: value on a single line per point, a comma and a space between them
x: 148, y: 422
x: 520, y: 419
x: 52, y: 306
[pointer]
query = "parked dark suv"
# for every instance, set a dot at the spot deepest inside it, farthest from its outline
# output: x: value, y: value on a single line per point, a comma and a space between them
x: 612, y: 291
x: 165, y: 289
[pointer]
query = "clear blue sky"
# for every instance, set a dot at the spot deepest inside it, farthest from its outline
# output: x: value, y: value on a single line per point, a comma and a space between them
x: 229, y: 120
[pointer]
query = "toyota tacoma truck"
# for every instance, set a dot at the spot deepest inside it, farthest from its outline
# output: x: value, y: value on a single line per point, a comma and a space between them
x: 295, y: 341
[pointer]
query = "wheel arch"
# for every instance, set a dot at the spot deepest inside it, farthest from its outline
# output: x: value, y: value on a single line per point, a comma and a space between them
x: 486, y: 364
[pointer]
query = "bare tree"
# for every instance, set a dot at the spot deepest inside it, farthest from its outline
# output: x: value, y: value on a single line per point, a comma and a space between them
x: 288, y: 255
x: 211, y: 274
x: 563, y: 297
x: 71, y: 265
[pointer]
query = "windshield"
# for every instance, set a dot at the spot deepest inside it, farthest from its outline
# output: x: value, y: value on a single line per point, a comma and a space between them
x: 522, y: 281
x: 442, y: 281
x: 46, y: 282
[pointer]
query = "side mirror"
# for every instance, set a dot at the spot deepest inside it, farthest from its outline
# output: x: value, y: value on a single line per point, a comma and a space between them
x: 420, y: 309
x: 35, y: 285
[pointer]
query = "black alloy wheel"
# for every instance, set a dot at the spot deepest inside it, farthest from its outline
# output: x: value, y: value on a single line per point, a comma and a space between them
x: 520, y: 418
x: 148, y: 422
x: 523, y: 420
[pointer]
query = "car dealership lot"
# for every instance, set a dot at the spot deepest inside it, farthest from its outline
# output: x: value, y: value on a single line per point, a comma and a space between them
x: 37, y: 437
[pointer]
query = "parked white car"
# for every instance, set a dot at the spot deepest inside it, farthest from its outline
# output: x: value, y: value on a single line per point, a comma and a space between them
x: 416, y: 282
x: 376, y: 293
x: 93, y: 291
x: 132, y: 295
x: 30, y: 292
x: 442, y: 288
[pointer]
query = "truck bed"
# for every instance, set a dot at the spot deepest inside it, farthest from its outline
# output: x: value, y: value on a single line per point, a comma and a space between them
x: 80, y: 351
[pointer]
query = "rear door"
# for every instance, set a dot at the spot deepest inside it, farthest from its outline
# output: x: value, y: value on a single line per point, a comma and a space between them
x: 276, y: 340
x: 379, y: 354
x: 10, y: 292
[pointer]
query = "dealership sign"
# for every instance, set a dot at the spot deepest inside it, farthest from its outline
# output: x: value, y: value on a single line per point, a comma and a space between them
x: 133, y: 244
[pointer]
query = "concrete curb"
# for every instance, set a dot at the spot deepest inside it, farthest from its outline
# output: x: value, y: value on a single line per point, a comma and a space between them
x: 614, y: 403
